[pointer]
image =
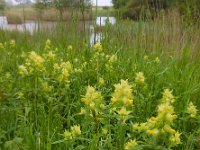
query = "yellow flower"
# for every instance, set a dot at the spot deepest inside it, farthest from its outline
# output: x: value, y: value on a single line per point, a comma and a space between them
x: 66, y: 65
x: 169, y: 129
x: 84, y: 100
x: 130, y: 145
x: 101, y: 81
x: 157, y: 60
x: 92, y: 97
x: 135, y: 126
x: 70, y: 47
x: 152, y: 121
x: 7, y: 75
x: 127, y: 101
x: 12, y: 43
x: 38, y: 60
x: 112, y: 59
x: 78, y: 70
x: 122, y: 94
x: 51, y: 55
x: 47, y: 44
x: 56, y: 66
x: 153, y: 132
x: 167, y: 96
x: 83, y: 111
x: 123, y: 114
x: 102, y: 106
x: 23, y: 55
x: 76, y: 130
x: 169, y: 117
x: 145, y: 58
x: 98, y: 47
x: 192, y: 110
x: 104, y: 131
x: 1, y: 46
x: 23, y: 70
x: 139, y: 78
x: 64, y: 75
x: 20, y: 95
x: 163, y: 109
x: 92, y: 104
x: 175, y: 139
x: 143, y: 127
x: 46, y: 87
x: 67, y: 135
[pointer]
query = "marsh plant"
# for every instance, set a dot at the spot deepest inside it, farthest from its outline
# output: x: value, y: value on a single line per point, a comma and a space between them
x: 137, y: 89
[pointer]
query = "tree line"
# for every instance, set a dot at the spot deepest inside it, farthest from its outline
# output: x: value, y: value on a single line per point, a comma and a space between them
x: 150, y: 8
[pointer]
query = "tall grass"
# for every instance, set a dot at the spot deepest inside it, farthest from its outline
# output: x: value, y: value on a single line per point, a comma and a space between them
x: 37, y: 108
x: 17, y: 15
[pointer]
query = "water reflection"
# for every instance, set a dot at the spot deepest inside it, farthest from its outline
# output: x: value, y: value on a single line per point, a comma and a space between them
x: 101, y: 21
x: 32, y: 26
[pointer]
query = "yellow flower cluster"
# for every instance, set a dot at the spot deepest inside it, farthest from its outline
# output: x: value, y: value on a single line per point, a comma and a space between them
x: 123, y: 114
x: 36, y: 60
x: 122, y: 95
x: 1, y: 46
x: 130, y: 145
x: 23, y: 70
x: 161, y: 124
x: 146, y: 58
x: 192, y: 110
x: 50, y: 55
x: 139, y: 78
x: 98, y: 47
x: 33, y: 62
x: 47, y: 45
x: 12, y: 43
x: 73, y: 133
x: 69, y: 47
x: 101, y: 81
x: 93, y: 99
x: 112, y: 58
x: 64, y: 70
x: 122, y: 99
x: 157, y: 60
x: 168, y: 97
x: 46, y: 87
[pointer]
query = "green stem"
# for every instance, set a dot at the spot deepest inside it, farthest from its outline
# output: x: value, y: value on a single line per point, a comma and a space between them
x: 121, y: 135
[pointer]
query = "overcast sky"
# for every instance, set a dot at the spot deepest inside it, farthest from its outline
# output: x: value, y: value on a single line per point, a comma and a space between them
x: 103, y: 2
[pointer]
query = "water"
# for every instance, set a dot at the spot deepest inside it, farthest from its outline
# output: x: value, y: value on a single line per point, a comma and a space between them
x: 101, y: 21
x: 32, y: 26
x: 3, y: 21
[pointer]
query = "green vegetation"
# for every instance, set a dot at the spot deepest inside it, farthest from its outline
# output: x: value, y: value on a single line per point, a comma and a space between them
x: 17, y: 15
x: 2, y: 6
x: 137, y: 89
x: 133, y: 8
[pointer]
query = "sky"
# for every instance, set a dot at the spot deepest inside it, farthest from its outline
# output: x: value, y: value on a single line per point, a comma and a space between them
x: 103, y: 2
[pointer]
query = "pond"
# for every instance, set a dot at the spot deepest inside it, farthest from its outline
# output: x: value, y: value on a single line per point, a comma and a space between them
x: 32, y: 26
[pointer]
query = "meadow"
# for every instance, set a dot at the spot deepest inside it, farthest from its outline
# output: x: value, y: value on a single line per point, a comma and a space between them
x: 138, y: 89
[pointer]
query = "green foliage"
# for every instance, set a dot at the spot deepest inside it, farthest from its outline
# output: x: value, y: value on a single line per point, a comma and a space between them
x: 119, y: 3
x: 64, y: 94
x: 150, y: 8
x: 2, y: 5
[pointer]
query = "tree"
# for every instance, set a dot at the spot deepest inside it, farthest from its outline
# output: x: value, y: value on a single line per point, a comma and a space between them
x: 190, y: 9
x: 119, y: 3
x: 2, y: 5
